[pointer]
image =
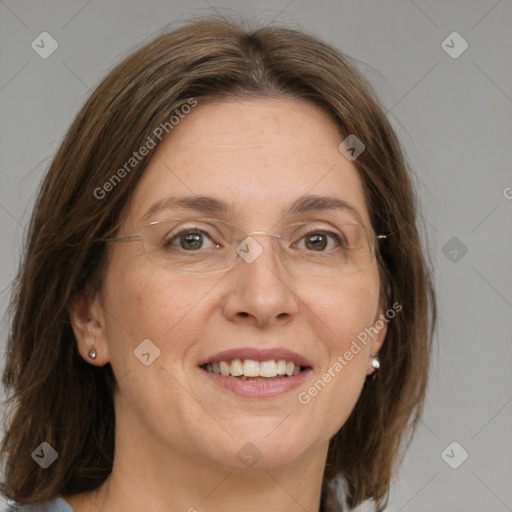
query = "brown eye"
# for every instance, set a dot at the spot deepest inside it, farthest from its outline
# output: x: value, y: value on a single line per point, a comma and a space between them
x: 316, y: 242
x: 319, y: 241
x: 188, y: 240
x: 191, y: 241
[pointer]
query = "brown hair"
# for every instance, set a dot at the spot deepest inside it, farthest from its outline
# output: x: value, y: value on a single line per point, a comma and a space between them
x: 55, y: 396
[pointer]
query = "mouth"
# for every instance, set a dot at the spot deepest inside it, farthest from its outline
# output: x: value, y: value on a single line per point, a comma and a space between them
x: 256, y: 373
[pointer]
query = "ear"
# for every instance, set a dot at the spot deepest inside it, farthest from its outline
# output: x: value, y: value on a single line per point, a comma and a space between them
x: 87, y: 318
x: 380, y: 325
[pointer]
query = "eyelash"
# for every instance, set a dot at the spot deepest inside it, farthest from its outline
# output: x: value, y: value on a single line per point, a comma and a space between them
x: 323, y: 232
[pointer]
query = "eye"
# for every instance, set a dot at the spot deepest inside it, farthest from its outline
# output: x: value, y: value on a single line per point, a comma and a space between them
x: 191, y: 239
x: 319, y: 241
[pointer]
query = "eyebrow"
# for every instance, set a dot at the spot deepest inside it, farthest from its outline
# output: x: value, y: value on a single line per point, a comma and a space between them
x: 203, y: 204
x: 211, y: 205
x: 315, y: 203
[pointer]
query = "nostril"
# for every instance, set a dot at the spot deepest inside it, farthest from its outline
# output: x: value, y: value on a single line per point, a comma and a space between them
x: 243, y: 313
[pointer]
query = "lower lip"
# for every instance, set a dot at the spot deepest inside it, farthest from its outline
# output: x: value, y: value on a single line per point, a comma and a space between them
x: 257, y: 389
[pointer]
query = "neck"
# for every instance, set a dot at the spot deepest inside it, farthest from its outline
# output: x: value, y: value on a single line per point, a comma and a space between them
x: 149, y: 476
x: 199, y: 489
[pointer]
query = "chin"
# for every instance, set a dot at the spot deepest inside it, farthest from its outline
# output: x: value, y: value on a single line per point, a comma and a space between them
x: 267, y: 444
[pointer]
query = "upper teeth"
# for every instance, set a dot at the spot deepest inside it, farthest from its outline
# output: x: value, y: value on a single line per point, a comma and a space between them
x: 252, y: 368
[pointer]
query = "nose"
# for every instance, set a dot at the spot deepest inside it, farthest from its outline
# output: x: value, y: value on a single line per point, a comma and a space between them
x: 260, y: 288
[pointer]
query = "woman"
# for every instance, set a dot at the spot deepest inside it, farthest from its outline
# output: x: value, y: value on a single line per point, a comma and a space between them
x: 224, y: 302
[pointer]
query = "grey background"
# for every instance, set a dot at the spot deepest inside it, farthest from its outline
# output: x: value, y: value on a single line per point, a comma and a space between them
x: 454, y: 116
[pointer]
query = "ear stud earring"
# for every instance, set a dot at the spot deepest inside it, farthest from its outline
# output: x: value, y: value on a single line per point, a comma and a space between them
x: 375, y: 364
x: 92, y: 353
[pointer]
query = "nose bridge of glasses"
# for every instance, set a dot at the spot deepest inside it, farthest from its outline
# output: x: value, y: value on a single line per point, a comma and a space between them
x: 250, y: 249
x: 264, y: 233
x: 273, y: 236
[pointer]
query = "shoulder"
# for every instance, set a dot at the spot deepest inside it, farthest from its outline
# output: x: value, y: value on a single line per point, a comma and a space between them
x: 56, y: 505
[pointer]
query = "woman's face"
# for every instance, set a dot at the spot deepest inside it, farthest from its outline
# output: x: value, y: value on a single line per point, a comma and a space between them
x: 258, y: 157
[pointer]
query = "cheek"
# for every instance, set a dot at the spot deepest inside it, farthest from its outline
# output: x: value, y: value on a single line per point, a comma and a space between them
x: 341, y: 312
x: 340, y: 315
x: 345, y: 308
x: 145, y: 304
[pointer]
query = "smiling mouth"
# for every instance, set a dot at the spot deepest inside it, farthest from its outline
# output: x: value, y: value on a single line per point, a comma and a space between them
x: 252, y: 370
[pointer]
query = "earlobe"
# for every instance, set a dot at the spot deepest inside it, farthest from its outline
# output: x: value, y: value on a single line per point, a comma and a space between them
x: 87, y: 321
x: 381, y: 324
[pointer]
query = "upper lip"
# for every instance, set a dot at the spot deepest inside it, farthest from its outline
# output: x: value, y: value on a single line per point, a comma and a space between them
x: 257, y: 355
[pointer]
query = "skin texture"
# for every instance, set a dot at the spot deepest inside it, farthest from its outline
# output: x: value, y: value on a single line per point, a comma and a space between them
x: 178, y: 435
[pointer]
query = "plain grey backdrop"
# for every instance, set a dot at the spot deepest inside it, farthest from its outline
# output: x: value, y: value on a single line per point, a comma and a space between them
x: 443, y: 71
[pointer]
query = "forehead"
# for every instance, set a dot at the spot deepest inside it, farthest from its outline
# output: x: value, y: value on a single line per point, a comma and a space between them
x: 258, y: 155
